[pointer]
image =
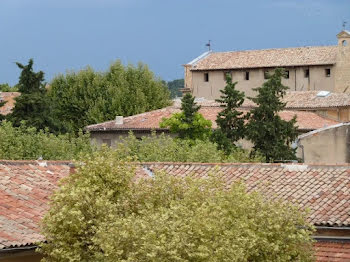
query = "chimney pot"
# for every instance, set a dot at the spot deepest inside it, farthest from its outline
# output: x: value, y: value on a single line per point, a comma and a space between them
x: 119, y: 120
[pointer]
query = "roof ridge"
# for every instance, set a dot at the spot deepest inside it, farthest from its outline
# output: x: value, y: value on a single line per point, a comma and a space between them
x: 35, y: 162
x: 268, y: 49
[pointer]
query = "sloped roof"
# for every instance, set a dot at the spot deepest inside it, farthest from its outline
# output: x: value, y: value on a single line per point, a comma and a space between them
x: 324, y: 189
x: 25, y: 187
x: 279, y: 57
x: 9, y: 97
x: 150, y: 120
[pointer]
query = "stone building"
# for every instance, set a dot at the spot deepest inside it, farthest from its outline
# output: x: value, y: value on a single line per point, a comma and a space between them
x: 307, y: 68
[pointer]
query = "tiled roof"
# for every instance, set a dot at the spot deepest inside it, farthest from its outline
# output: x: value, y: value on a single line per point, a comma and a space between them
x: 332, y: 252
x: 150, y: 120
x: 324, y: 189
x: 24, y: 190
x: 280, y: 57
x: 310, y: 100
x: 9, y: 97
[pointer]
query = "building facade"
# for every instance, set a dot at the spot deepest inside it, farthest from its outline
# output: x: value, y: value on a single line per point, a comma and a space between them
x: 307, y: 68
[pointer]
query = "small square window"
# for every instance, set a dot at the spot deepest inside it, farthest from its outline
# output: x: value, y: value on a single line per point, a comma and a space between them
x: 246, y: 75
x: 266, y: 74
x: 287, y: 74
x: 328, y: 72
x: 206, y: 77
x: 306, y: 73
x: 107, y: 142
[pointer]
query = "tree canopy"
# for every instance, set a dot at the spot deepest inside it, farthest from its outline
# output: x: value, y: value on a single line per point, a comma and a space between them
x: 271, y: 135
x: 189, y: 123
x: 175, y: 86
x: 100, y: 213
x: 88, y: 97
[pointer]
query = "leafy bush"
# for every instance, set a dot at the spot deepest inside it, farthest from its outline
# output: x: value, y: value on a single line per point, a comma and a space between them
x: 163, y: 148
x: 27, y: 143
x: 100, y: 214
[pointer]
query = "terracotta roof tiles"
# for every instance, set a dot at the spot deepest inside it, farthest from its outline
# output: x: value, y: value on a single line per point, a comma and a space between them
x: 9, y: 97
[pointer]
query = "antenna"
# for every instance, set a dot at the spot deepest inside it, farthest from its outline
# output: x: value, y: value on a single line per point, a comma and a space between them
x: 344, y: 25
x: 209, y: 45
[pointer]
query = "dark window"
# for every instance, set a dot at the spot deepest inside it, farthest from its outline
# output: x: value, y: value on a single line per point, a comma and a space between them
x: 206, y: 77
x: 306, y: 73
x: 227, y: 74
x: 328, y: 72
x: 107, y: 142
x: 287, y: 74
x: 246, y: 75
x: 266, y: 74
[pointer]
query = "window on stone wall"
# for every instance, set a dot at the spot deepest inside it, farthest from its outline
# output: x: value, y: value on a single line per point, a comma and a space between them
x: 247, y: 75
x: 328, y: 72
x: 306, y: 73
x: 287, y: 74
x: 227, y: 74
x: 107, y: 142
x: 206, y: 77
x: 266, y: 74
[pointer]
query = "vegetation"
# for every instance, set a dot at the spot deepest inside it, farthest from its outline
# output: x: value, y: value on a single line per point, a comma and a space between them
x: 7, y: 88
x: 230, y: 121
x: 271, y: 135
x: 18, y: 143
x: 163, y: 148
x: 33, y: 105
x: 100, y: 214
x: 175, y: 86
x: 189, y: 123
x: 89, y: 97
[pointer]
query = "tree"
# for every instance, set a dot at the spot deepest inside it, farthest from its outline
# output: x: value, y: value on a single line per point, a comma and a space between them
x: 7, y: 88
x: 32, y: 106
x: 271, y: 135
x: 175, y: 86
x: 101, y: 214
x: 89, y: 97
x: 189, y: 123
x: 230, y: 121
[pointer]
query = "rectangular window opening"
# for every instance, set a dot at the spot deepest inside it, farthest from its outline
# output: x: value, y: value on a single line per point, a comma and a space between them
x: 287, y: 74
x: 227, y: 74
x: 246, y: 75
x: 206, y: 77
x: 107, y: 142
x: 306, y: 73
x: 328, y: 72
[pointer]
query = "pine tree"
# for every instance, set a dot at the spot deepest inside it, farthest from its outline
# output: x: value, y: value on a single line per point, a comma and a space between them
x: 32, y: 106
x: 230, y: 121
x: 189, y: 123
x: 271, y: 135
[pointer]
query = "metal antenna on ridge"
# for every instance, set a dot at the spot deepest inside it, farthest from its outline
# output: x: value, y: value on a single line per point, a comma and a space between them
x: 209, y: 45
x: 344, y: 25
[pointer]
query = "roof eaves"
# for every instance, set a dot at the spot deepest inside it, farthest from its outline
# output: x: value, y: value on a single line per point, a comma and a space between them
x: 197, y: 59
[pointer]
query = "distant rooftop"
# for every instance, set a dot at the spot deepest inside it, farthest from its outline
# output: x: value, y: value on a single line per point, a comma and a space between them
x: 9, y: 98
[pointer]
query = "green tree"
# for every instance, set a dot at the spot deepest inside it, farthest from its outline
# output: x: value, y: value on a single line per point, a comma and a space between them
x: 88, y: 97
x: 271, y: 135
x: 7, y: 88
x: 101, y: 214
x: 33, y: 105
x: 230, y: 121
x: 189, y: 123
x: 175, y: 86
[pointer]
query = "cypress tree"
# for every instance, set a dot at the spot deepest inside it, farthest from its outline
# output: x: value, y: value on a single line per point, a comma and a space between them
x: 230, y: 121
x: 271, y: 135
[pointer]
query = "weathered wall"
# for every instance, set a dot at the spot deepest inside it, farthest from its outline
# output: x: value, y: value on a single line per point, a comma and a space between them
x: 342, y: 77
x: 22, y: 257
x: 328, y: 145
x: 297, y: 81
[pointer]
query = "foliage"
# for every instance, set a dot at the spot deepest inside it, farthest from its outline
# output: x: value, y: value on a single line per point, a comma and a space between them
x: 88, y: 97
x: 163, y: 148
x: 33, y: 105
x: 189, y: 123
x: 270, y: 134
x: 7, y: 88
x: 175, y: 86
x: 100, y: 214
x: 230, y: 121
x: 18, y: 143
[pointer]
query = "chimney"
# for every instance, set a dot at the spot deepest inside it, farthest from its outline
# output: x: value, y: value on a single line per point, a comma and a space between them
x: 119, y: 120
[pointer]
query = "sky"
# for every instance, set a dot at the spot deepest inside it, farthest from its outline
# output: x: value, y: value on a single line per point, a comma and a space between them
x: 66, y: 35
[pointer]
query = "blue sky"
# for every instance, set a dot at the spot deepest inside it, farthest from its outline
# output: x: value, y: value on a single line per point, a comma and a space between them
x: 63, y: 35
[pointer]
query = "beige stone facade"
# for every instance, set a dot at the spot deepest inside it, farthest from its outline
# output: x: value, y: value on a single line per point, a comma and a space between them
x: 308, y: 68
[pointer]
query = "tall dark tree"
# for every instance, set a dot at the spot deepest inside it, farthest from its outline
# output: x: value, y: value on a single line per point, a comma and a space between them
x: 32, y: 106
x: 230, y: 121
x: 271, y: 135
x: 189, y: 123
x: 175, y: 86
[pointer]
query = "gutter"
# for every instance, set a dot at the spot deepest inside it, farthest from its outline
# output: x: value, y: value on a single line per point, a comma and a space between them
x: 17, y: 249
